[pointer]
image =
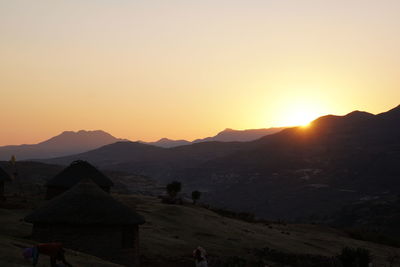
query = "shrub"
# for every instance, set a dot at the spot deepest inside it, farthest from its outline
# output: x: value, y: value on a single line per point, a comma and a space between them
x: 351, y: 257
x: 174, y: 188
x: 196, y: 196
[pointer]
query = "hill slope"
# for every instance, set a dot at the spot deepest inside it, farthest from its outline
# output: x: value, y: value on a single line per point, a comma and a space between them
x: 171, y: 232
x: 297, y: 174
x: 311, y: 172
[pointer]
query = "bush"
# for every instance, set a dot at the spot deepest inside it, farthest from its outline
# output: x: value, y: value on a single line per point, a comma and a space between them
x: 351, y: 257
x: 196, y: 196
x: 174, y: 188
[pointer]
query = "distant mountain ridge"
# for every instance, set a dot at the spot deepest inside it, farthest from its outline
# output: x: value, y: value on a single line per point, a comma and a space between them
x: 66, y: 143
x: 231, y: 135
x: 227, y: 135
x: 70, y: 143
x: 167, y: 143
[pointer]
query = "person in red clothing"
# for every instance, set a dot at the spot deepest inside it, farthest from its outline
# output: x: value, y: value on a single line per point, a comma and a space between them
x: 54, y: 250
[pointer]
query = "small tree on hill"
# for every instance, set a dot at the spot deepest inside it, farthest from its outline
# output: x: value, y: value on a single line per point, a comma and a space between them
x: 195, y: 196
x: 174, y: 188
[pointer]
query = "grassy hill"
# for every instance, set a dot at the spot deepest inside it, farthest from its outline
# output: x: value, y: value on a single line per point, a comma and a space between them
x: 172, y: 232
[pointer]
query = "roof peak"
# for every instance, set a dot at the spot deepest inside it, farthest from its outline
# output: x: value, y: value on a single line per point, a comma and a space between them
x: 75, y: 172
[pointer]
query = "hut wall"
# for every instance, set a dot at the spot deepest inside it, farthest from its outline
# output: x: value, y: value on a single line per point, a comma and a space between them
x: 130, y: 240
x: 105, y: 242
x: 2, y: 191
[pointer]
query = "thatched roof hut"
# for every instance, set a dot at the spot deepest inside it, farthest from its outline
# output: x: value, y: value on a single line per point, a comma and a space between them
x: 74, y: 173
x: 87, y: 219
x: 4, y: 177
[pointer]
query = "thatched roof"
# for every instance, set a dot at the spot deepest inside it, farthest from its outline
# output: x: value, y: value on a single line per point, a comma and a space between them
x: 4, y: 176
x: 85, y: 204
x: 75, y: 172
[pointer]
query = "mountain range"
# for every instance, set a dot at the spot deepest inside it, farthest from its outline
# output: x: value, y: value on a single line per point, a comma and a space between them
x: 227, y: 135
x: 69, y: 143
x: 66, y: 143
x: 296, y: 174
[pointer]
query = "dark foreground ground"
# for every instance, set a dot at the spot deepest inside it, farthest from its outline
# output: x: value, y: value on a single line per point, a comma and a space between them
x: 172, y: 232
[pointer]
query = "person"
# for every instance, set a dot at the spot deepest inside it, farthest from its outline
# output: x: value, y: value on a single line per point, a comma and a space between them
x: 54, y: 250
x: 199, y: 255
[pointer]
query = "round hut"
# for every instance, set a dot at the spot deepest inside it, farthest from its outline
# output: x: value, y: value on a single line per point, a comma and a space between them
x: 74, y: 173
x: 87, y: 219
x: 4, y: 177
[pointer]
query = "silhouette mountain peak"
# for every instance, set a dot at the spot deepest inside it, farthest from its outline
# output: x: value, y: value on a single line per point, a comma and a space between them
x: 359, y: 114
x: 228, y: 130
x: 66, y: 143
x: 164, y: 139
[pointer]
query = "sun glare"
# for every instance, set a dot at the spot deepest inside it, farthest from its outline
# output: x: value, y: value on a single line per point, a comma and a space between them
x: 299, y: 116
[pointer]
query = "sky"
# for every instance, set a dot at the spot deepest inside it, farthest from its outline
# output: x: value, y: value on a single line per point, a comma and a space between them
x: 186, y: 69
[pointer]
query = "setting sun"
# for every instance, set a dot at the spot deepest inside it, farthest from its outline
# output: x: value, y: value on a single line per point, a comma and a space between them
x: 300, y: 112
x: 300, y: 117
x: 187, y: 69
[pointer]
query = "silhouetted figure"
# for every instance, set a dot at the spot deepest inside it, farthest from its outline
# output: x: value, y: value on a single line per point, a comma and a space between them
x: 54, y: 250
x: 4, y: 177
x: 196, y: 196
x: 199, y: 255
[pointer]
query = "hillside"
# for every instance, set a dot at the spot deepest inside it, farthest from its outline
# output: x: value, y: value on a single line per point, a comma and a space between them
x: 171, y: 233
x: 186, y: 227
x: 152, y: 160
x: 298, y: 174
x: 313, y: 171
x: 66, y: 143
x: 32, y: 176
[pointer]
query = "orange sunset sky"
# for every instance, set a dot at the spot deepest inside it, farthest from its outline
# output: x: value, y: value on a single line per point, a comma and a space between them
x: 188, y: 69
